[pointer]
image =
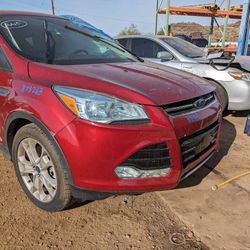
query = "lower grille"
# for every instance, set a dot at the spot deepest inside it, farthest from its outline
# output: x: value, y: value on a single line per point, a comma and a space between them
x: 150, y: 158
x: 195, y: 145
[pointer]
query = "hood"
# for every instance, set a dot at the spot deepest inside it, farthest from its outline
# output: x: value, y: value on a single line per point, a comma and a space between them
x: 160, y: 84
x: 244, y: 62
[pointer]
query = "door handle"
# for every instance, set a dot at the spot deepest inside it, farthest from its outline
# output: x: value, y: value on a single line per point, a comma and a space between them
x: 187, y: 67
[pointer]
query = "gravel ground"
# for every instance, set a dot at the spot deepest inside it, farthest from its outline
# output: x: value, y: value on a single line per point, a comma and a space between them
x: 122, y: 222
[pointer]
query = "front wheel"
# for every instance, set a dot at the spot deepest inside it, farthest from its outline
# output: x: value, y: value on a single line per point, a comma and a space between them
x: 39, y: 169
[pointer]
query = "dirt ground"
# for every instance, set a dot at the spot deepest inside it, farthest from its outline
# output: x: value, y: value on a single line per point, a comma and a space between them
x: 219, y: 218
x: 149, y: 221
x: 124, y: 222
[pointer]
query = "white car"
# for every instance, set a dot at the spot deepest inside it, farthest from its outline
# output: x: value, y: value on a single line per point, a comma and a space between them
x: 233, y: 82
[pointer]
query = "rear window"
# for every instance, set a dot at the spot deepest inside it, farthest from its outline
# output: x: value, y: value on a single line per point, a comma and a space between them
x: 58, y: 41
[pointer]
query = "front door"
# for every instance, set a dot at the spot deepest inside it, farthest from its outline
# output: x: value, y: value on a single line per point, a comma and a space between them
x: 5, y: 87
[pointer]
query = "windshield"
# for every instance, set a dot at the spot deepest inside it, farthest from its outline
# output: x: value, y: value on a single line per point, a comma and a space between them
x: 58, y: 41
x: 183, y: 47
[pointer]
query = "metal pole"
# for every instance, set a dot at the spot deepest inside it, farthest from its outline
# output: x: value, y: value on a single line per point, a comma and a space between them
x: 53, y: 7
x: 244, y: 30
x: 211, y: 32
x: 167, y: 18
x: 156, y: 17
x: 225, y: 25
x: 211, y: 29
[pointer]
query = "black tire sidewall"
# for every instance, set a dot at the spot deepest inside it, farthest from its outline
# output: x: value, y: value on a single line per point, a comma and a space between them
x: 62, y: 197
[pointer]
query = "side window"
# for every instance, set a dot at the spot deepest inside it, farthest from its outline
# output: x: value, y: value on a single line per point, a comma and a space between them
x: 123, y: 42
x: 4, y: 62
x: 146, y: 48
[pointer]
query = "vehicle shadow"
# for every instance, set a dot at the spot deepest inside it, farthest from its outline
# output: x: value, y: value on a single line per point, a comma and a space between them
x: 77, y: 204
x: 228, y: 135
x: 241, y: 113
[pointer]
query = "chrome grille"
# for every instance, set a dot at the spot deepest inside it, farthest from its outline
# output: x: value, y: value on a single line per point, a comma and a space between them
x: 190, y: 105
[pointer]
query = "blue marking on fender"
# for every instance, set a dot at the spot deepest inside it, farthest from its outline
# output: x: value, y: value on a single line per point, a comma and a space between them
x: 32, y: 90
x: 192, y: 118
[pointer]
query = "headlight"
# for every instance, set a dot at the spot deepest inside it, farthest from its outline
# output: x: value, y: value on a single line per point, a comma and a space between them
x: 240, y: 75
x: 100, y: 108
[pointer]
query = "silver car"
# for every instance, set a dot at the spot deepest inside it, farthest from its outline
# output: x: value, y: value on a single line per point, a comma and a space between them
x: 232, y: 83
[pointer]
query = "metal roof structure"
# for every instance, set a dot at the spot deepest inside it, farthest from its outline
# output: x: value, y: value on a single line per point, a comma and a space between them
x: 212, y: 10
x: 191, y: 11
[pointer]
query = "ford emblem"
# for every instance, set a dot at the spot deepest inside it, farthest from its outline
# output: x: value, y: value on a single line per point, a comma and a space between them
x: 201, y: 103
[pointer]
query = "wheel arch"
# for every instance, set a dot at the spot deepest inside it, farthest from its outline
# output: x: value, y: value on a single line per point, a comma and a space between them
x: 16, y: 121
x: 223, y: 89
x: 217, y: 82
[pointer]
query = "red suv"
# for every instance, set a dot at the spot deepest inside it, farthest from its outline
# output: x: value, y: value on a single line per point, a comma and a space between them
x: 82, y: 118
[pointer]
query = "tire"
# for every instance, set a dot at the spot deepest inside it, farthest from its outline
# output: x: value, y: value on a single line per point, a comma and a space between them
x: 222, y: 94
x: 40, y: 170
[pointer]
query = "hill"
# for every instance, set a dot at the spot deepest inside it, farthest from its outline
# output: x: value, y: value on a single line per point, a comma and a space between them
x: 187, y: 28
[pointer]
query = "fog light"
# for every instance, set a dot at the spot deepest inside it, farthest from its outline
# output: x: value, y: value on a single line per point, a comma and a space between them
x: 130, y: 172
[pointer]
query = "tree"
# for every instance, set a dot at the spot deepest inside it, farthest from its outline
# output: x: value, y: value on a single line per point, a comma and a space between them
x: 131, y: 30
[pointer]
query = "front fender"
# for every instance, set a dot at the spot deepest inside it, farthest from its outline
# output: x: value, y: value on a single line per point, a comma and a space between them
x: 17, y: 115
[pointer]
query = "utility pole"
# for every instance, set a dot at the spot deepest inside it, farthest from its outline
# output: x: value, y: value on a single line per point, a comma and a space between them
x: 156, y: 17
x: 53, y: 7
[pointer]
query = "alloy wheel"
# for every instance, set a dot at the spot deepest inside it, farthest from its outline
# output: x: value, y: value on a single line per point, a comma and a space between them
x: 37, y: 170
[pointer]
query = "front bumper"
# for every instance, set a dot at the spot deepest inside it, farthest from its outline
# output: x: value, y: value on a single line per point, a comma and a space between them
x: 93, y: 151
x: 238, y: 93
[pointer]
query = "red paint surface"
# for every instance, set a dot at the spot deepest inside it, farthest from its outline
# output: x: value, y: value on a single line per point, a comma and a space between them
x: 92, y: 150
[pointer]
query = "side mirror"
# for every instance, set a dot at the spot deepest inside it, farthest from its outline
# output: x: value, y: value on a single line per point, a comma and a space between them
x: 165, y: 56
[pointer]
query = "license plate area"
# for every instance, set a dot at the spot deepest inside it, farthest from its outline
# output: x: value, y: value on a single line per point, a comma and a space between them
x: 192, y: 147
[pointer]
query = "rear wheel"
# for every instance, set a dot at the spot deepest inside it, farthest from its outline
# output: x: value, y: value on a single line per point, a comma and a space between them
x: 222, y: 94
x: 39, y: 169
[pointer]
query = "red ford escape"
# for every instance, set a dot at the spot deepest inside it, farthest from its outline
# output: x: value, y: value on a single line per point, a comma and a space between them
x: 82, y: 118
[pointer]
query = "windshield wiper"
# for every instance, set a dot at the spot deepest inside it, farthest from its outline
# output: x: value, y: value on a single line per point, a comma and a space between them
x: 113, y: 44
x: 50, y: 47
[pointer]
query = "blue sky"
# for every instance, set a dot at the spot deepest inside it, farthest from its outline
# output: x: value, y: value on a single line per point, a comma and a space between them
x: 110, y: 15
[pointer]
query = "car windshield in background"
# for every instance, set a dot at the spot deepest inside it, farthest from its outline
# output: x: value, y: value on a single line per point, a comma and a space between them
x: 57, y: 41
x: 183, y: 47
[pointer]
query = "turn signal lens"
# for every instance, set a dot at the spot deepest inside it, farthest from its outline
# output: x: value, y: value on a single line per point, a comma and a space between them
x: 235, y: 75
x: 245, y: 76
x: 70, y: 103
